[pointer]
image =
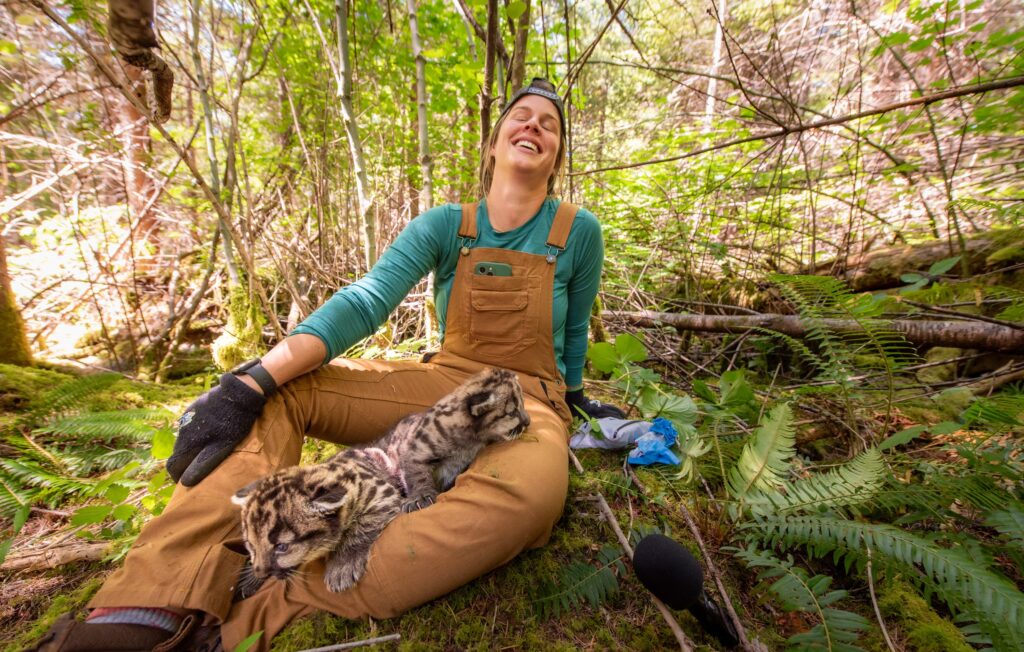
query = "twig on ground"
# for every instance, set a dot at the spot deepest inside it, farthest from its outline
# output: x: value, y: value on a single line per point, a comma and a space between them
x: 606, y: 511
x: 355, y: 644
x: 710, y: 563
x: 874, y: 604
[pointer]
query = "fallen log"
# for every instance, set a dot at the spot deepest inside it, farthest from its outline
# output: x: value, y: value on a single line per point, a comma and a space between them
x: 983, y: 336
x: 57, y: 556
x: 881, y: 269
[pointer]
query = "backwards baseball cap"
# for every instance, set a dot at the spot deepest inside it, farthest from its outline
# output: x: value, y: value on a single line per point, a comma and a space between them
x: 544, y: 88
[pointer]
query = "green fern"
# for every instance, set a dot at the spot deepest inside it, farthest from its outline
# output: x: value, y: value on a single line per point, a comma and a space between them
x: 765, y: 457
x: 1005, y: 409
x: 850, y: 485
x: 70, y: 394
x: 837, y: 629
x: 1010, y: 522
x: 1013, y: 312
x: 961, y: 580
x: 133, y: 425
x: 579, y: 582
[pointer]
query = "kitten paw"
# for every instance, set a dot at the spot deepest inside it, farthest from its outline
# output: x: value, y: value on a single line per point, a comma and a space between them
x: 344, y: 576
x: 416, y: 503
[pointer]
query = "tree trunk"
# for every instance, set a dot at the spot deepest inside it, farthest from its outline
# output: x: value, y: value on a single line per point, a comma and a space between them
x: 490, y: 47
x: 211, y: 146
x: 966, y: 335
x: 135, y: 161
x: 518, y: 71
x: 355, y: 144
x: 13, y: 343
x: 426, y: 164
x: 881, y: 269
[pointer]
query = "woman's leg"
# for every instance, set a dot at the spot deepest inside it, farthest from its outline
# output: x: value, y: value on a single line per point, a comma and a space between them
x: 189, y: 556
x: 507, y: 501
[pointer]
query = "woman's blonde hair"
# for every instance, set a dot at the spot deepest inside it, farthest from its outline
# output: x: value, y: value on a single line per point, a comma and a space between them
x: 486, y: 174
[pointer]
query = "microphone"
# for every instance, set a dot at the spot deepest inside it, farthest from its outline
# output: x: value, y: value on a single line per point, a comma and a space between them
x: 674, y: 576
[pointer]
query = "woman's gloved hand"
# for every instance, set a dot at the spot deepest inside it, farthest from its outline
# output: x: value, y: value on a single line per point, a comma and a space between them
x: 211, y: 428
x: 590, y: 408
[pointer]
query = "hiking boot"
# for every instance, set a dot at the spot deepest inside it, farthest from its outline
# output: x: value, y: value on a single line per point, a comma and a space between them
x: 70, y: 635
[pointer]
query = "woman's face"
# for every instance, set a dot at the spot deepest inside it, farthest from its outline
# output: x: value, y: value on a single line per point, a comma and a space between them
x: 529, y: 139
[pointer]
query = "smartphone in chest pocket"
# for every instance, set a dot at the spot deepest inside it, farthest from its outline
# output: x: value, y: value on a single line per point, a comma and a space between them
x: 485, y: 268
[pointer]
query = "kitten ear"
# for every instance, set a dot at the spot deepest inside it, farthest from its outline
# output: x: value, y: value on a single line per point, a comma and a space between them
x: 330, y: 501
x: 481, y: 402
x: 242, y: 495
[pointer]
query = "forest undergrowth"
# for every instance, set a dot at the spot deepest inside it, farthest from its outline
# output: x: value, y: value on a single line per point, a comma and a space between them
x: 830, y: 492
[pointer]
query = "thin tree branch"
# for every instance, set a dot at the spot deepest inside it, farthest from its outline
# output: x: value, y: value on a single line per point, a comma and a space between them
x: 999, y: 84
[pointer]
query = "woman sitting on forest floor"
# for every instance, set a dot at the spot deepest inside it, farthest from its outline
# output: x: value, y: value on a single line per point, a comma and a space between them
x: 183, y: 569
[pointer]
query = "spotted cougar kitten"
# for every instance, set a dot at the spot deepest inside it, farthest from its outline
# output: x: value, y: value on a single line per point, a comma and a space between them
x: 434, y: 446
x: 338, y: 508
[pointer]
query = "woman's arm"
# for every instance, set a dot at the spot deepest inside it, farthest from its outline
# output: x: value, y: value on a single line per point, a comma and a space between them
x: 290, y: 358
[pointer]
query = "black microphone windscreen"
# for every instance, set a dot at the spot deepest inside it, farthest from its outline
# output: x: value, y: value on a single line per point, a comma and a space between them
x: 668, y: 570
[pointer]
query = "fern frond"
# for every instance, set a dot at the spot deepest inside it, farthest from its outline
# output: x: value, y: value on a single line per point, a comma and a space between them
x: 765, y: 457
x: 961, y: 580
x: 837, y: 629
x: 579, y: 582
x: 32, y: 474
x: 13, y: 497
x: 850, y: 485
x: 1013, y: 312
x: 1010, y: 523
x: 90, y: 461
x: 134, y: 425
x: 71, y: 394
x: 999, y: 410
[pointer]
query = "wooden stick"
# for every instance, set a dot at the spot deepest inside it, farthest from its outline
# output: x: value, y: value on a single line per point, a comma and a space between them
x: 54, y: 557
x: 354, y: 644
x: 606, y: 511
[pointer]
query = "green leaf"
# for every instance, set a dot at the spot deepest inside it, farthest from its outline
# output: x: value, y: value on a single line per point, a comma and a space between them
x: 117, y: 493
x: 248, y: 642
x: 124, y: 512
x: 91, y: 514
x: 662, y: 404
x: 20, y: 517
x: 8, y: 47
x: 766, y: 455
x: 515, y: 9
x: 163, y: 443
x: 896, y: 38
x: 902, y: 437
x: 943, y: 266
x: 602, y: 356
x: 945, y: 428
x: 911, y: 277
x: 701, y: 389
x: 920, y: 44
x: 630, y: 349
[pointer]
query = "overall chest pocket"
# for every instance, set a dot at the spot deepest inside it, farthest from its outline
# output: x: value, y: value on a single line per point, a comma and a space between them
x: 503, y: 310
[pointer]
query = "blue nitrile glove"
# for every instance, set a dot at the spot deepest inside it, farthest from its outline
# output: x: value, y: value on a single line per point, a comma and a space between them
x: 211, y: 428
x: 651, y: 449
x: 615, y: 433
x: 591, y: 409
x: 662, y: 426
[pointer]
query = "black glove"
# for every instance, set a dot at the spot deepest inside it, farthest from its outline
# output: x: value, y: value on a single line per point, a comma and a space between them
x: 211, y: 428
x: 591, y: 409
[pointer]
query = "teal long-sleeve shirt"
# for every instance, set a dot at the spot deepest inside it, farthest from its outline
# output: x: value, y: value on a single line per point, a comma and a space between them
x: 430, y: 242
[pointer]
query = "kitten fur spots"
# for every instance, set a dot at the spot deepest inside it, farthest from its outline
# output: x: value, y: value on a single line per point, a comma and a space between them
x: 338, y: 508
x: 434, y: 446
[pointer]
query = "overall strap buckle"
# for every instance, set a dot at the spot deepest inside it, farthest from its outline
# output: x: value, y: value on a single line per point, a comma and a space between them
x: 467, y: 228
x: 560, y: 228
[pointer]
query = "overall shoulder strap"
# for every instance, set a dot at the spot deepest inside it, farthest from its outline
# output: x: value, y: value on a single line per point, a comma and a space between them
x: 468, y: 227
x: 560, y: 227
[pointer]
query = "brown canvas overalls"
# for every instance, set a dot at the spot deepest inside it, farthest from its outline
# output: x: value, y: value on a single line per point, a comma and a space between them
x: 508, y: 500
